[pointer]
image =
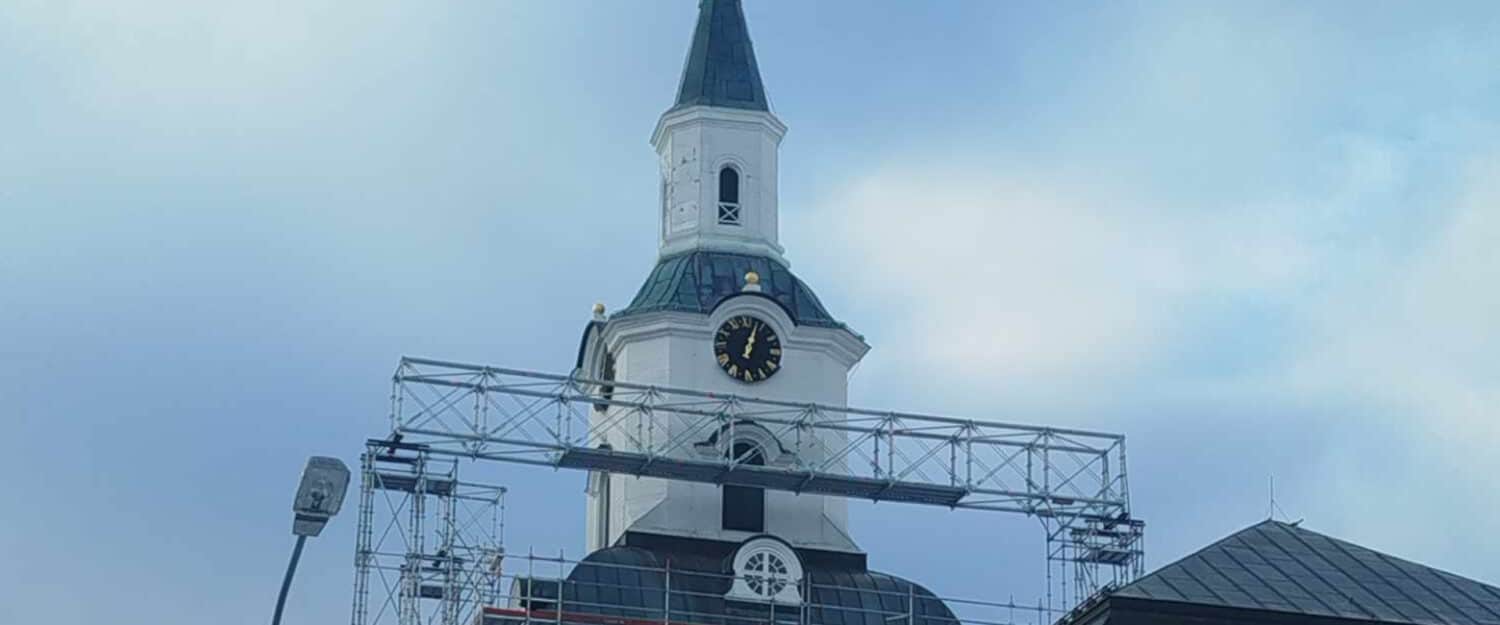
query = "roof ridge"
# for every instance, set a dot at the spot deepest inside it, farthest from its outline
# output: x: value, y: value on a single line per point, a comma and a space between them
x: 1298, y: 528
x: 1402, y: 570
x: 1236, y: 537
x: 1159, y: 570
x: 1301, y: 539
x: 1439, y: 573
x: 1444, y: 575
x: 1345, y: 548
x: 1323, y: 580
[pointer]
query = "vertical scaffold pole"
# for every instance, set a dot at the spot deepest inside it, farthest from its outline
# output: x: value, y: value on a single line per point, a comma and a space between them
x: 911, y: 604
x: 411, y: 574
x: 364, y: 534
x: 802, y: 612
x: 453, y: 597
x: 529, y: 598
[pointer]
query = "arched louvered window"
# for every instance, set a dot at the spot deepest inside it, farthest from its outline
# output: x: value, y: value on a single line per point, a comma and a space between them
x: 744, y: 507
x: 729, y: 196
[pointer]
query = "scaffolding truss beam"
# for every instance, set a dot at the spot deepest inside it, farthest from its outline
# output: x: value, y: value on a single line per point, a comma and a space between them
x: 1073, y: 481
x: 539, y: 418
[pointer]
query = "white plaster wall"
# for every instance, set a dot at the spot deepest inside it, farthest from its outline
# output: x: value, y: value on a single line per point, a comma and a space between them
x: 675, y: 349
x: 692, y: 146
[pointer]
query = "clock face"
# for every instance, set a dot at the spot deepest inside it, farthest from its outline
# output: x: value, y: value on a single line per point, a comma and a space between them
x: 747, y: 349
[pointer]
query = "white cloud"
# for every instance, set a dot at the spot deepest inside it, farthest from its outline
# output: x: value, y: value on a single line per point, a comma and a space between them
x: 995, y: 268
x: 1020, y: 275
x: 1036, y: 289
x: 1424, y: 346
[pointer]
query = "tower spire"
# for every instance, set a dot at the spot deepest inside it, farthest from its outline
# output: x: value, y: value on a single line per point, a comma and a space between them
x: 720, y: 69
x: 718, y: 145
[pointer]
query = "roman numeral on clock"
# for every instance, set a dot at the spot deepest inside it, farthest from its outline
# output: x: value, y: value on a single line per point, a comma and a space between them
x: 747, y: 349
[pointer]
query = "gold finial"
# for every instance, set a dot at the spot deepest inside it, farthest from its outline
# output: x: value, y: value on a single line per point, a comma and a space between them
x: 598, y: 309
x: 752, y: 282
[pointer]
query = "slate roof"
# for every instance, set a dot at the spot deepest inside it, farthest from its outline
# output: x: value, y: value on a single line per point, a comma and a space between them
x: 629, y: 583
x: 697, y: 281
x: 720, y: 68
x: 1280, y: 567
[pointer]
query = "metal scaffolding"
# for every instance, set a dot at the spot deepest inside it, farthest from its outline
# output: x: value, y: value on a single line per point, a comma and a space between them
x: 432, y: 543
x: 543, y: 590
x: 1095, y: 555
x: 1074, y: 481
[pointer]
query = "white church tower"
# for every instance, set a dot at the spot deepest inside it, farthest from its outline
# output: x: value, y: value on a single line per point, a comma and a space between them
x: 718, y: 146
x: 721, y: 312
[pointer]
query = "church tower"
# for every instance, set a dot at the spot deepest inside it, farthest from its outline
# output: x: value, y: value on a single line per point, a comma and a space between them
x: 718, y: 144
x: 721, y: 312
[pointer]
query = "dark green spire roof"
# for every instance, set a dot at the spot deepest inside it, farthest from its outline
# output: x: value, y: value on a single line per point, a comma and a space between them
x: 721, y: 69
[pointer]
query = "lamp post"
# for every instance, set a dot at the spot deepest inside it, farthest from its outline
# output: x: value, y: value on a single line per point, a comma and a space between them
x: 319, y: 497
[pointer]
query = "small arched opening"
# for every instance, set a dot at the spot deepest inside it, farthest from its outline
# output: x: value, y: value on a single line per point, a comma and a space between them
x: 729, y: 196
x: 744, y: 507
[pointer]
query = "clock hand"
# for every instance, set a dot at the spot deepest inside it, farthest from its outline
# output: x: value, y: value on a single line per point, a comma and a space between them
x: 750, y: 343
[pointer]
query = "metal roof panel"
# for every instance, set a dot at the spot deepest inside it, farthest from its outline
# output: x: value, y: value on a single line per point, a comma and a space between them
x: 1285, y: 568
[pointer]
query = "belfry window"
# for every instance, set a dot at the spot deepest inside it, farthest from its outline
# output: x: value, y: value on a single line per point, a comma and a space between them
x: 729, y: 196
x: 745, y: 507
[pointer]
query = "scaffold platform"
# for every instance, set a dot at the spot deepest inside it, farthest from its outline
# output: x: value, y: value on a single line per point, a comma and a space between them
x: 1073, y: 481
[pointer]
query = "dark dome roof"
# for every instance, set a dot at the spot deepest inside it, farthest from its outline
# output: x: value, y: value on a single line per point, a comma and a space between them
x: 630, y: 582
x: 697, y: 281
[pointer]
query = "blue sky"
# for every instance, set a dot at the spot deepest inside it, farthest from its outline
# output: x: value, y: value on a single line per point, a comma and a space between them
x: 1257, y: 238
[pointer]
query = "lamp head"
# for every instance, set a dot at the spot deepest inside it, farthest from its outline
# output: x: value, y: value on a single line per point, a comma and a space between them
x: 320, y: 495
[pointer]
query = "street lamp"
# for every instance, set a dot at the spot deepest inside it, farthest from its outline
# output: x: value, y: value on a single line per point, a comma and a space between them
x: 319, y: 497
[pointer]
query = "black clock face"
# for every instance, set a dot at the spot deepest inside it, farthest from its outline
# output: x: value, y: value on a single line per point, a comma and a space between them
x: 747, y: 349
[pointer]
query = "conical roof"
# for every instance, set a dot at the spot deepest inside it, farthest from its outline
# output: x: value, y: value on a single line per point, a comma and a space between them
x: 720, y: 69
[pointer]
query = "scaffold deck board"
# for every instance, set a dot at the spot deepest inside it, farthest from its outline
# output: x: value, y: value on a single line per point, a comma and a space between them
x: 408, y: 484
x: 762, y: 477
